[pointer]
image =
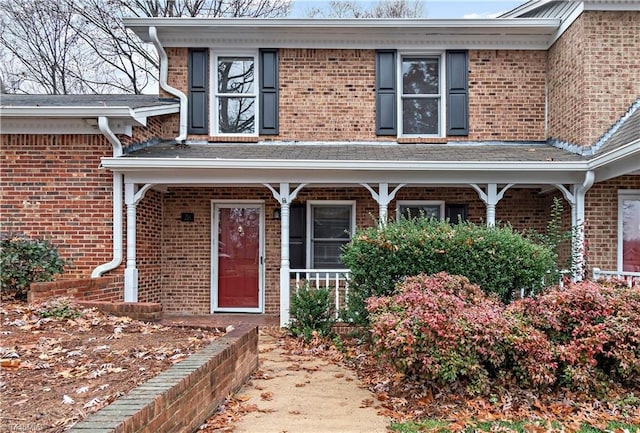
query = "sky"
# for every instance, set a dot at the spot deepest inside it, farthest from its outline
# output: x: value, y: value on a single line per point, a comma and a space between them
x: 433, y: 8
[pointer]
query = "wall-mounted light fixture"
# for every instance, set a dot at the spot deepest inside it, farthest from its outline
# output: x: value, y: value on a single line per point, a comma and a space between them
x: 276, y: 214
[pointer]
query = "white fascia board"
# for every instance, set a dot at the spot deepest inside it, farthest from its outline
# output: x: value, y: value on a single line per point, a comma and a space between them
x: 52, y: 112
x: 352, y: 165
x: 527, y: 33
x: 618, y: 162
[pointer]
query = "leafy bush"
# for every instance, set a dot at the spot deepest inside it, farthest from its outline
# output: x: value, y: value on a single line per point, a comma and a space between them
x: 440, y: 328
x: 444, y: 329
x: 311, y: 312
x: 497, y: 259
x: 59, y: 308
x: 593, y: 328
x: 24, y: 261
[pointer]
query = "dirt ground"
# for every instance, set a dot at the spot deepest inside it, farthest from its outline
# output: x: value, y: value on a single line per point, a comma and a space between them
x: 297, y: 392
x: 56, y: 371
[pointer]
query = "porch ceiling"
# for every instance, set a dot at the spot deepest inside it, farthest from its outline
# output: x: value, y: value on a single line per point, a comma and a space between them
x: 267, y: 162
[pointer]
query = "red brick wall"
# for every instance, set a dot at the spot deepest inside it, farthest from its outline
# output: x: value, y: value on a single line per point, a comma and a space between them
x: 601, y: 218
x: 86, y: 289
x: 593, y: 75
x: 330, y: 94
x: 52, y: 188
x: 149, y: 246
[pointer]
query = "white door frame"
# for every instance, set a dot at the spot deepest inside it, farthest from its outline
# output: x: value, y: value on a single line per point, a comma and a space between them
x: 215, y: 205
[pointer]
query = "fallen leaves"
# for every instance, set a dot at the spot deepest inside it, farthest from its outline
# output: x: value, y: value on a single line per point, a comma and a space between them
x: 57, y: 371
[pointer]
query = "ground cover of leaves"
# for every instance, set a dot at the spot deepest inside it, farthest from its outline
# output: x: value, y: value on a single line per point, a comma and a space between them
x: 401, y: 400
x: 58, y: 370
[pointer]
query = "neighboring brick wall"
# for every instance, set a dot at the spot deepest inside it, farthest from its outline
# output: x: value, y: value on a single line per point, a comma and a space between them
x: 108, y: 289
x: 52, y: 188
x: 163, y: 127
x: 593, y: 75
x: 601, y: 217
x: 182, y: 398
x: 330, y: 94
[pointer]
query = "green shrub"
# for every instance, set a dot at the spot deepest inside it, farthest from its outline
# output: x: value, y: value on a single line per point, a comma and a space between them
x: 311, y: 312
x: 59, y: 308
x: 497, y: 259
x: 24, y: 261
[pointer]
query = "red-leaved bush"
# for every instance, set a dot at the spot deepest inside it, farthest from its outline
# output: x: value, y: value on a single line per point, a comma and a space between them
x: 443, y: 329
x: 594, y: 330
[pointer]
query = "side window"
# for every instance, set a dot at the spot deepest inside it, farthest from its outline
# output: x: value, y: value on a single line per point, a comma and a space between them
x: 330, y: 226
x: 420, y: 209
x: 629, y: 231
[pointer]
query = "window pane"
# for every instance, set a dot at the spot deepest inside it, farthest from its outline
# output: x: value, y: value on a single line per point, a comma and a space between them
x: 235, y: 74
x: 236, y: 115
x: 420, y: 211
x: 631, y: 235
x: 326, y: 254
x: 420, y: 76
x: 420, y: 115
x: 331, y: 222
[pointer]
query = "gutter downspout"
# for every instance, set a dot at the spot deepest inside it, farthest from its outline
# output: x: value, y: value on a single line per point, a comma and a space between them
x: 164, y: 72
x: 103, y: 124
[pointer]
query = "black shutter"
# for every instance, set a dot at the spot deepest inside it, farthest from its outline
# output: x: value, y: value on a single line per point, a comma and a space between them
x: 198, y: 117
x: 269, y: 91
x: 386, y: 103
x: 457, y: 93
x: 297, y: 236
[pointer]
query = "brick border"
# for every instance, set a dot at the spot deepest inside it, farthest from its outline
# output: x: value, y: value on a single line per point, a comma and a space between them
x: 182, y: 398
x: 81, y: 289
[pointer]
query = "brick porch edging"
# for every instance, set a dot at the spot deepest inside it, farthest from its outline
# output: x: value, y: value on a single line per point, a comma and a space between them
x: 182, y: 398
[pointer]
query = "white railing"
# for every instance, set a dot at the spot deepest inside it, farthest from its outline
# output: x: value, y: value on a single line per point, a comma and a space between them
x: 334, y: 280
x: 632, y: 279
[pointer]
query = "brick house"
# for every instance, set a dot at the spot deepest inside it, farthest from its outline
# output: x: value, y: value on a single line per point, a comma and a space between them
x: 274, y: 139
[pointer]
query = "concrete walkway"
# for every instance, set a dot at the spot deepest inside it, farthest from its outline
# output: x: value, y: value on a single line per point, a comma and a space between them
x: 299, y: 394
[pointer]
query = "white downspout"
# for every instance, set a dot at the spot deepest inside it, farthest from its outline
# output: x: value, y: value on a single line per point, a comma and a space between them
x: 103, y: 124
x: 164, y: 73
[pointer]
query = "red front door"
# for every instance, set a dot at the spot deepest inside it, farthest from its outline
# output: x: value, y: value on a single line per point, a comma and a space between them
x: 238, y: 257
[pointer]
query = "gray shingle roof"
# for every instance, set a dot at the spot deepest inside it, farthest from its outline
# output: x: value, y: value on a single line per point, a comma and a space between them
x: 625, y: 131
x: 131, y: 101
x: 507, y: 152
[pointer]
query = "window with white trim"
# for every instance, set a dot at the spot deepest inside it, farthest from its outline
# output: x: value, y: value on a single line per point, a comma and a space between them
x: 421, y: 110
x: 420, y: 209
x: 629, y: 231
x: 235, y: 100
x: 330, y: 226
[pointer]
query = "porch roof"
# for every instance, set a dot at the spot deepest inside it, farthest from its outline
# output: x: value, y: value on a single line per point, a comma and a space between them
x: 481, y: 152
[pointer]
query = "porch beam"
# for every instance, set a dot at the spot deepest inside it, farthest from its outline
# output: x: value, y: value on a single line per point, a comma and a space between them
x: 132, y: 197
x: 491, y: 199
x: 284, y: 197
x: 383, y: 197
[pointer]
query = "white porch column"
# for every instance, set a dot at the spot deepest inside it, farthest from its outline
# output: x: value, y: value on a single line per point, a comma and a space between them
x: 130, y: 272
x: 576, y: 197
x: 284, y: 197
x: 491, y: 199
x: 383, y: 198
x: 131, y: 199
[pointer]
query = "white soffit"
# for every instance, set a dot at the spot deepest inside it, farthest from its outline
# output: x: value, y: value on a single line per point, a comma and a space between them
x: 527, y: 33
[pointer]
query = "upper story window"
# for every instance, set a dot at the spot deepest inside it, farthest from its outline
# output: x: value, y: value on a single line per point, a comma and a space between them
x: 421, y: 109
x: 235, y: 99
x: 232, y: 93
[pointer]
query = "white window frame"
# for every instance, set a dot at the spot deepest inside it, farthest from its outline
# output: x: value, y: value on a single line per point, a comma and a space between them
x: 442, y: 126
x: 309, y: 222
x: 438, y: 203
x: 625, y: 194
x: 213, y: 85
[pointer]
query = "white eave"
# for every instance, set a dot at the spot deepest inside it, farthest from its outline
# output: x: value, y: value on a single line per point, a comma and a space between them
x: 77, y: 119
x: 527, y: 33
